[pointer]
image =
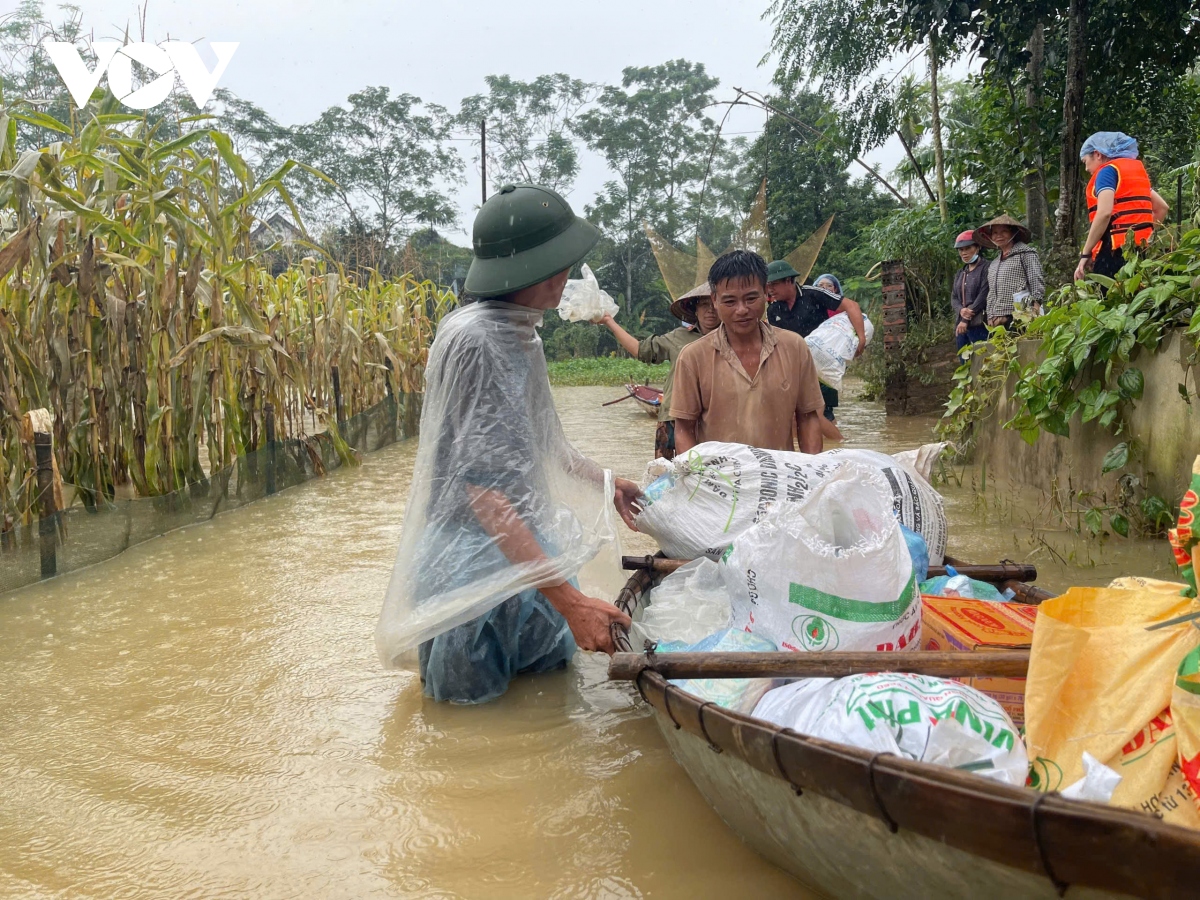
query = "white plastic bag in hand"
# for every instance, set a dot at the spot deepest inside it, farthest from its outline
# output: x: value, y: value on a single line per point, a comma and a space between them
x: 583, y: 301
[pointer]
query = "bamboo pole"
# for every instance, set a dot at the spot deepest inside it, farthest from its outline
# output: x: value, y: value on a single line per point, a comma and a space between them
x: 783, y: 664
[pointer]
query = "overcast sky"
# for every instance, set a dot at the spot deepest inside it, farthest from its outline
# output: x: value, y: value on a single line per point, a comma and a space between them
x: 299, y: 57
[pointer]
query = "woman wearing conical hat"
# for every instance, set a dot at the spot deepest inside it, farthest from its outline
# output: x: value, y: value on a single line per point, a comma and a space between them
x: 1015, y: 279
x: 696, y: 310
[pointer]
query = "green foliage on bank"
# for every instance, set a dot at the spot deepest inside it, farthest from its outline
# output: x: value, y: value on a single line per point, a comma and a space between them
x: 606, y: 370
x: 1090, y: 338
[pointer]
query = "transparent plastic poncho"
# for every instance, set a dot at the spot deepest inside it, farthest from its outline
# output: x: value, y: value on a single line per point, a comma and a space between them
x: 489, y: 423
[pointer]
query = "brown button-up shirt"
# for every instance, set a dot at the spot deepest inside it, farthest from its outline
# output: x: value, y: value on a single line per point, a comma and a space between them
x: 713, y: 389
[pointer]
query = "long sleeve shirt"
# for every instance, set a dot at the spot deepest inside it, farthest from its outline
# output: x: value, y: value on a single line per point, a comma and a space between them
x: 971, y: 292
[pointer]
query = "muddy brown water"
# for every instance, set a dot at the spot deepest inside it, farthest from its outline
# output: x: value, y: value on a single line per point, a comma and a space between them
x: 205, y: 716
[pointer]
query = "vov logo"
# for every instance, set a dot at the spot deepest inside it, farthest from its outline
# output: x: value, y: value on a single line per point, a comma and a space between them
x: 166, y: 61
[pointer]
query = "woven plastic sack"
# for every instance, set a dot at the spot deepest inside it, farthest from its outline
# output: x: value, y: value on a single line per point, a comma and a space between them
x: 831, y: 572
x: 688, y: 605
x: 933, y: 720
x: 1100, y: 683
x: 833, y: 344
x: 584, y: 301
x: 698, y: 503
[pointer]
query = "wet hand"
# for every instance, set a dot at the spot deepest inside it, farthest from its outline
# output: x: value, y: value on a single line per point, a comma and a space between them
x: 628, y: 501
x: 589, y: 618
x: 1081, y: 269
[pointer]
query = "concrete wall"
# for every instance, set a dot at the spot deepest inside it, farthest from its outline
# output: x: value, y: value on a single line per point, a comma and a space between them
x: 1166, y: 427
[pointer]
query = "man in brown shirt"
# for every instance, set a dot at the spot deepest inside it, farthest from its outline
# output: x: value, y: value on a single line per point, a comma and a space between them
x: 746, y: 382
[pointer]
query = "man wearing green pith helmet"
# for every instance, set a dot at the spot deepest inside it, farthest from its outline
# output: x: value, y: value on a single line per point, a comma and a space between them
x: 503, y: 513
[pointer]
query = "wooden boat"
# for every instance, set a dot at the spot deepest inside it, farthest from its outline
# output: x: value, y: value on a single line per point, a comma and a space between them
x: 854, y: 824
x: 648, y: 398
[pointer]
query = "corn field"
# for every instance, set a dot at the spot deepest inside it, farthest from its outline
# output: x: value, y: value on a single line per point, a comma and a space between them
x: 136, y: 308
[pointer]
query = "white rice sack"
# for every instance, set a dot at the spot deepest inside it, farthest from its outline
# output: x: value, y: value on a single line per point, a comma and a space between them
x: 698, y: 503
x: 584, y: 301
x: 688, y: 605
x: 739, y: 694
x: 933, y: 720
x: 914, y: 501
x: 833, y: 344
x: 831, y: 572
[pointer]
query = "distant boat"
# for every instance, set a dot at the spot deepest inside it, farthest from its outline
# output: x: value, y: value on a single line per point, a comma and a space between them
x: 650, y: 398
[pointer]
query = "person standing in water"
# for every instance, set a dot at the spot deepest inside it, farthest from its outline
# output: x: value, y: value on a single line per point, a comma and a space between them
x: 801, y: 309
x: 747, y: 382
x: 503, y: 511
x: 696, y: 309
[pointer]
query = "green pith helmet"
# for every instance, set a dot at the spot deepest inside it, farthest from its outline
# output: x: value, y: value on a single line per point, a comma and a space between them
x: 524, y: 234
x: 779, y: 270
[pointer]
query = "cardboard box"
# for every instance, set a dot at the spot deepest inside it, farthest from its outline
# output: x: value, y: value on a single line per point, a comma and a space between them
x: 975, y: 626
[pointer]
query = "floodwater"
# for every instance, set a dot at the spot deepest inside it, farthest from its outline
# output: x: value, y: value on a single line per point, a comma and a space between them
x: 204, y: 716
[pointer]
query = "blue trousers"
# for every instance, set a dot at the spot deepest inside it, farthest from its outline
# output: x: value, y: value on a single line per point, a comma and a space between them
x: 975, y: 334
x: 475, y: 662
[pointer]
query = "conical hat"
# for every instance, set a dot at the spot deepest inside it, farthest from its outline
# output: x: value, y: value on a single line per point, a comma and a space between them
x: 983, y: 234
x: 683, y: 308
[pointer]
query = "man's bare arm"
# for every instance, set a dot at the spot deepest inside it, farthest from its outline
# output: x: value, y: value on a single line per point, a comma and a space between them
x: 854, y: 312
x: 685, y: 435
x: 588, y: 617
x: 808, y: 429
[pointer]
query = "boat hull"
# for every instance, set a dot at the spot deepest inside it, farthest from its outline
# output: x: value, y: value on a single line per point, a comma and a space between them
x: 838, y: 851
x: 648, y: 398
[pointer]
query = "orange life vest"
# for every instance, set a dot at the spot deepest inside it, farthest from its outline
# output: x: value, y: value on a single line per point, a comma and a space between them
x: 1132, y: 206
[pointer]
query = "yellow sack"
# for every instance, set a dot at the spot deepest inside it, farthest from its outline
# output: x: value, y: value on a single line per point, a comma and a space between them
x: 1098, y: 681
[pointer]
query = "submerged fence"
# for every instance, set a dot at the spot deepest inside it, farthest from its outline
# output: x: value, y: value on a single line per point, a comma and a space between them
x: 62, y: 541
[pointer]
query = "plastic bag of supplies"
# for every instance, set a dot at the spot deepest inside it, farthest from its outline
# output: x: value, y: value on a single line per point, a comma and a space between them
x: 933, y: 720
x: 833, y: 345
x: 688, y: 605
x: 584, y: 301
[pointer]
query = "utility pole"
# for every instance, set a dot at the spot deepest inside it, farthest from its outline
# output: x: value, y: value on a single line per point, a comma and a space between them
x: 483, y: 156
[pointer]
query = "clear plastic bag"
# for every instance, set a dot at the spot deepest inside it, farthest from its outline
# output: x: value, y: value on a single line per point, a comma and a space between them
x: 584, y: 301
x: 490, y: 435
x: 688, y: 605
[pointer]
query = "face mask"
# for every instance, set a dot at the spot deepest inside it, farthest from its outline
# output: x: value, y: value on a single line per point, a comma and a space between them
x: 973, y: 259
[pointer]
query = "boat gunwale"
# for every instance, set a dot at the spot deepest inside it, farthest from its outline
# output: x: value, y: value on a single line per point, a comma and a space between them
x: 1067, y: 841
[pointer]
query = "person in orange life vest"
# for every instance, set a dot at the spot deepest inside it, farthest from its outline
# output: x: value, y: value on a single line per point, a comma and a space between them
x: 1120, y: 202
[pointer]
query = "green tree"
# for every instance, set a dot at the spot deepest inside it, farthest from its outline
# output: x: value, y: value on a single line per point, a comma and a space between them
x: 807, y: 182
x: 529, y: 123
x: 655, y: 135
x: 389, y: 160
